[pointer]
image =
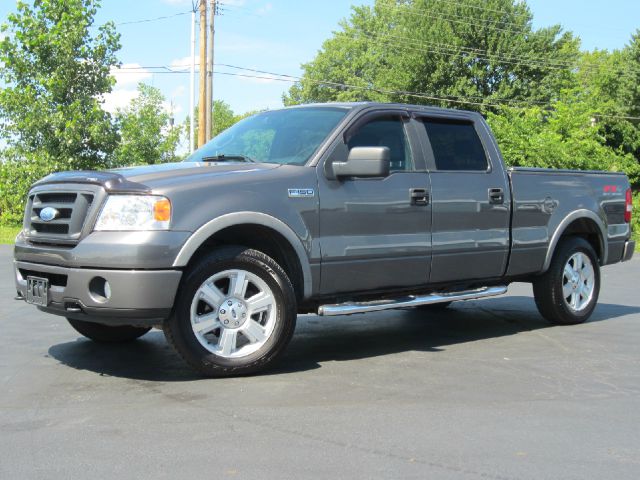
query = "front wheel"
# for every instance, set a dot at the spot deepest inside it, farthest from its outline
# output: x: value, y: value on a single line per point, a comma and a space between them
x: 235, y: 313
x: 567, y: 293
x: 106, y: 333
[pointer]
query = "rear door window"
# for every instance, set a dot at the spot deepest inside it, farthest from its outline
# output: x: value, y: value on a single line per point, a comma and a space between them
x: 455, y: 145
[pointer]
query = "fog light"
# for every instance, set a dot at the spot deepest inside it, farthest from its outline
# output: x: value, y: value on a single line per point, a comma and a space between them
x: 99, y: 289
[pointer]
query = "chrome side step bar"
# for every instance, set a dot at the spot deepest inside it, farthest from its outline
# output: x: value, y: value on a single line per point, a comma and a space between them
x: 410, y: 301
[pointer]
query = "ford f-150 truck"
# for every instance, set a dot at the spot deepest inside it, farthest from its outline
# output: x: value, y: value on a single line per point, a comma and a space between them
x: 333, y: 209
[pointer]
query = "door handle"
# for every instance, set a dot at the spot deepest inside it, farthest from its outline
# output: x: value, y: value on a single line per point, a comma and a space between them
x: 496, y: 195
x: 419, y: 196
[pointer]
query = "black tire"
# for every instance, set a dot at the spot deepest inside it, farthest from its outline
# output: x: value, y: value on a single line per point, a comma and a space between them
x: 548, y: 288
x: 434, y: 307
x: 178, y: 329
x: 106, y: 333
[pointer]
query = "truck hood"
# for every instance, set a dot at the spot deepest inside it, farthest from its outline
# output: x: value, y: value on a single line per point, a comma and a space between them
x: 145, y: 178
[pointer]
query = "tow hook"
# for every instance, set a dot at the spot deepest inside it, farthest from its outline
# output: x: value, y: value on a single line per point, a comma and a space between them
x: 72, y: 307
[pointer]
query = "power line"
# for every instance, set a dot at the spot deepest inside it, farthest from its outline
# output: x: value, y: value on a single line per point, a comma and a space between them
x: 234, y: 12
x: 402, y: 9
x: 455, y: 51
x: 476, y: 7
x: 236, y: 7
x: 542, y: 64
x: 300, y: 78
x: 390, y: 41
x: 265, y: 75
x: 521, y: 59
x: 520, y: 29
x: 488, y: 9
x: 155, y: 19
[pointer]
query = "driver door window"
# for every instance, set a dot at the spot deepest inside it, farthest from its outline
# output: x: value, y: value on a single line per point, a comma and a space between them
x: 386, y: 132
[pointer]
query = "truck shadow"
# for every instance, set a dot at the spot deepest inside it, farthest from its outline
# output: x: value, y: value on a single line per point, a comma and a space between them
x: 322, y: 339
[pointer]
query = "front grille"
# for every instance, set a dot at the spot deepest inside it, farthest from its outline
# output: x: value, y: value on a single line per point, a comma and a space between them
x: 71, y: 210
x: 56, y: 228
x: 55, y: 279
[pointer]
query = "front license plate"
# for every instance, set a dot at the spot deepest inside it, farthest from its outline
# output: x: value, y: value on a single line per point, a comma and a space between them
x: 37, y: 291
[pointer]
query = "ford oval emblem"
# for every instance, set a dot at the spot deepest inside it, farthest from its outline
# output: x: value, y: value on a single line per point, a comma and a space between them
x: 48, y: 213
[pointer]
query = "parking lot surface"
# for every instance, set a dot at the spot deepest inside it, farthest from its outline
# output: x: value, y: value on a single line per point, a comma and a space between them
x: 486, y: 389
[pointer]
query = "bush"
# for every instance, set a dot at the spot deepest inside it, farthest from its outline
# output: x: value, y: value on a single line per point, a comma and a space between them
x: 635, y: 218
x: 16, y: 177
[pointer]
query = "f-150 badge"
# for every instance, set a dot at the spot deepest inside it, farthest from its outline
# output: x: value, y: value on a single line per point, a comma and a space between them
x: 301, y: 192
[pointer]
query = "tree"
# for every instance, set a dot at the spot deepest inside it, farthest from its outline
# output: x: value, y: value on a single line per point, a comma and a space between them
x: 147, y: 136
x: 481, y: 51
x: 610, y: 80
x: 561, y: 136
x: 55, y: 70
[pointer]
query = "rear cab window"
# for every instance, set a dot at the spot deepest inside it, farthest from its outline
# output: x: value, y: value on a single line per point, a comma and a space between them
x: 455, y: 145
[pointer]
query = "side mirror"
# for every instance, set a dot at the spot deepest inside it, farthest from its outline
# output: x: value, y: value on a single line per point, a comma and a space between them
x: 364, y: 162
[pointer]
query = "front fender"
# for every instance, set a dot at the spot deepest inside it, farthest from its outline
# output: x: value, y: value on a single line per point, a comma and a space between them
x: 239, y: 218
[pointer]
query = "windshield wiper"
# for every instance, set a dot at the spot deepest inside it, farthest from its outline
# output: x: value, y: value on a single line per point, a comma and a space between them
x: 228, y: 158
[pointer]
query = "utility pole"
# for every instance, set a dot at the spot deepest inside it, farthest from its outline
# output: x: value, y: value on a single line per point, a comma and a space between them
x: 192, y: 85
x: 210, y: 69
x: 202, y: 119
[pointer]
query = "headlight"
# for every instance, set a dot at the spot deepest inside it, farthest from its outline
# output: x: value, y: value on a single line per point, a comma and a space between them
x: 135, y: 212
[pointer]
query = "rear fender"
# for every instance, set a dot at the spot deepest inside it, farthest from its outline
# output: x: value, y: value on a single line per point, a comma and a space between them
x: 564, y: 224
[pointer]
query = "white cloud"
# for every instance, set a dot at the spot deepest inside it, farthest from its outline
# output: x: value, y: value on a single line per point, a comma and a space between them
x: 127, y: 76
x: 118, y: 99
x: 130, y: 74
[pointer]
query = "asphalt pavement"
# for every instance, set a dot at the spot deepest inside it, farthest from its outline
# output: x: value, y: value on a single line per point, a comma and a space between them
x: 486, y: 389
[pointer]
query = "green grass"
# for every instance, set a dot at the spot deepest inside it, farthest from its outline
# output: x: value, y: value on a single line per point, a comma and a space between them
x: 8, y: 233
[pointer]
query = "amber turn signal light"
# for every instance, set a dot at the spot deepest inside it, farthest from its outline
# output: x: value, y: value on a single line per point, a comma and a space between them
x: 162, y: 210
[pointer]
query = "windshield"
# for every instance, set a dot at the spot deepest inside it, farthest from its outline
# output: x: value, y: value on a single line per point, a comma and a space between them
x: 282, y: 136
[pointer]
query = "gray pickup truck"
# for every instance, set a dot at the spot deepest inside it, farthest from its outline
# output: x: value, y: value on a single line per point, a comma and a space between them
x: 333, y: 209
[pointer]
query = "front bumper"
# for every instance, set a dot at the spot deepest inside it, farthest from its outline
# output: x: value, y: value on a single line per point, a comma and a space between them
x: 108, y: 250
x: 138, y: 297
x: 629, y: 248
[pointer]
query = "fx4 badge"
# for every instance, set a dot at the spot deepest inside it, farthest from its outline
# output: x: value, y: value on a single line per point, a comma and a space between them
x: 301, y: 192
x: 612, y: 190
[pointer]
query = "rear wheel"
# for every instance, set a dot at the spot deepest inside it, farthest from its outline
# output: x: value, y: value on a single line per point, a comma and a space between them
x: 107, y: 333
x: 568, y: 292
x: 235, y: 313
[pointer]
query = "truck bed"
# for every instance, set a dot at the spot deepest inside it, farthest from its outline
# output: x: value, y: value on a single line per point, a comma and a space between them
x: 544, y: 202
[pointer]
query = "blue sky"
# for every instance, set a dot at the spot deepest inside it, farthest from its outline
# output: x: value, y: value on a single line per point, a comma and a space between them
x: 278, y: 35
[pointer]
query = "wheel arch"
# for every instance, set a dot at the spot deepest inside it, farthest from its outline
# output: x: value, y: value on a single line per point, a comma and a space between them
x: 586, y: 224
x: 258, y: 231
